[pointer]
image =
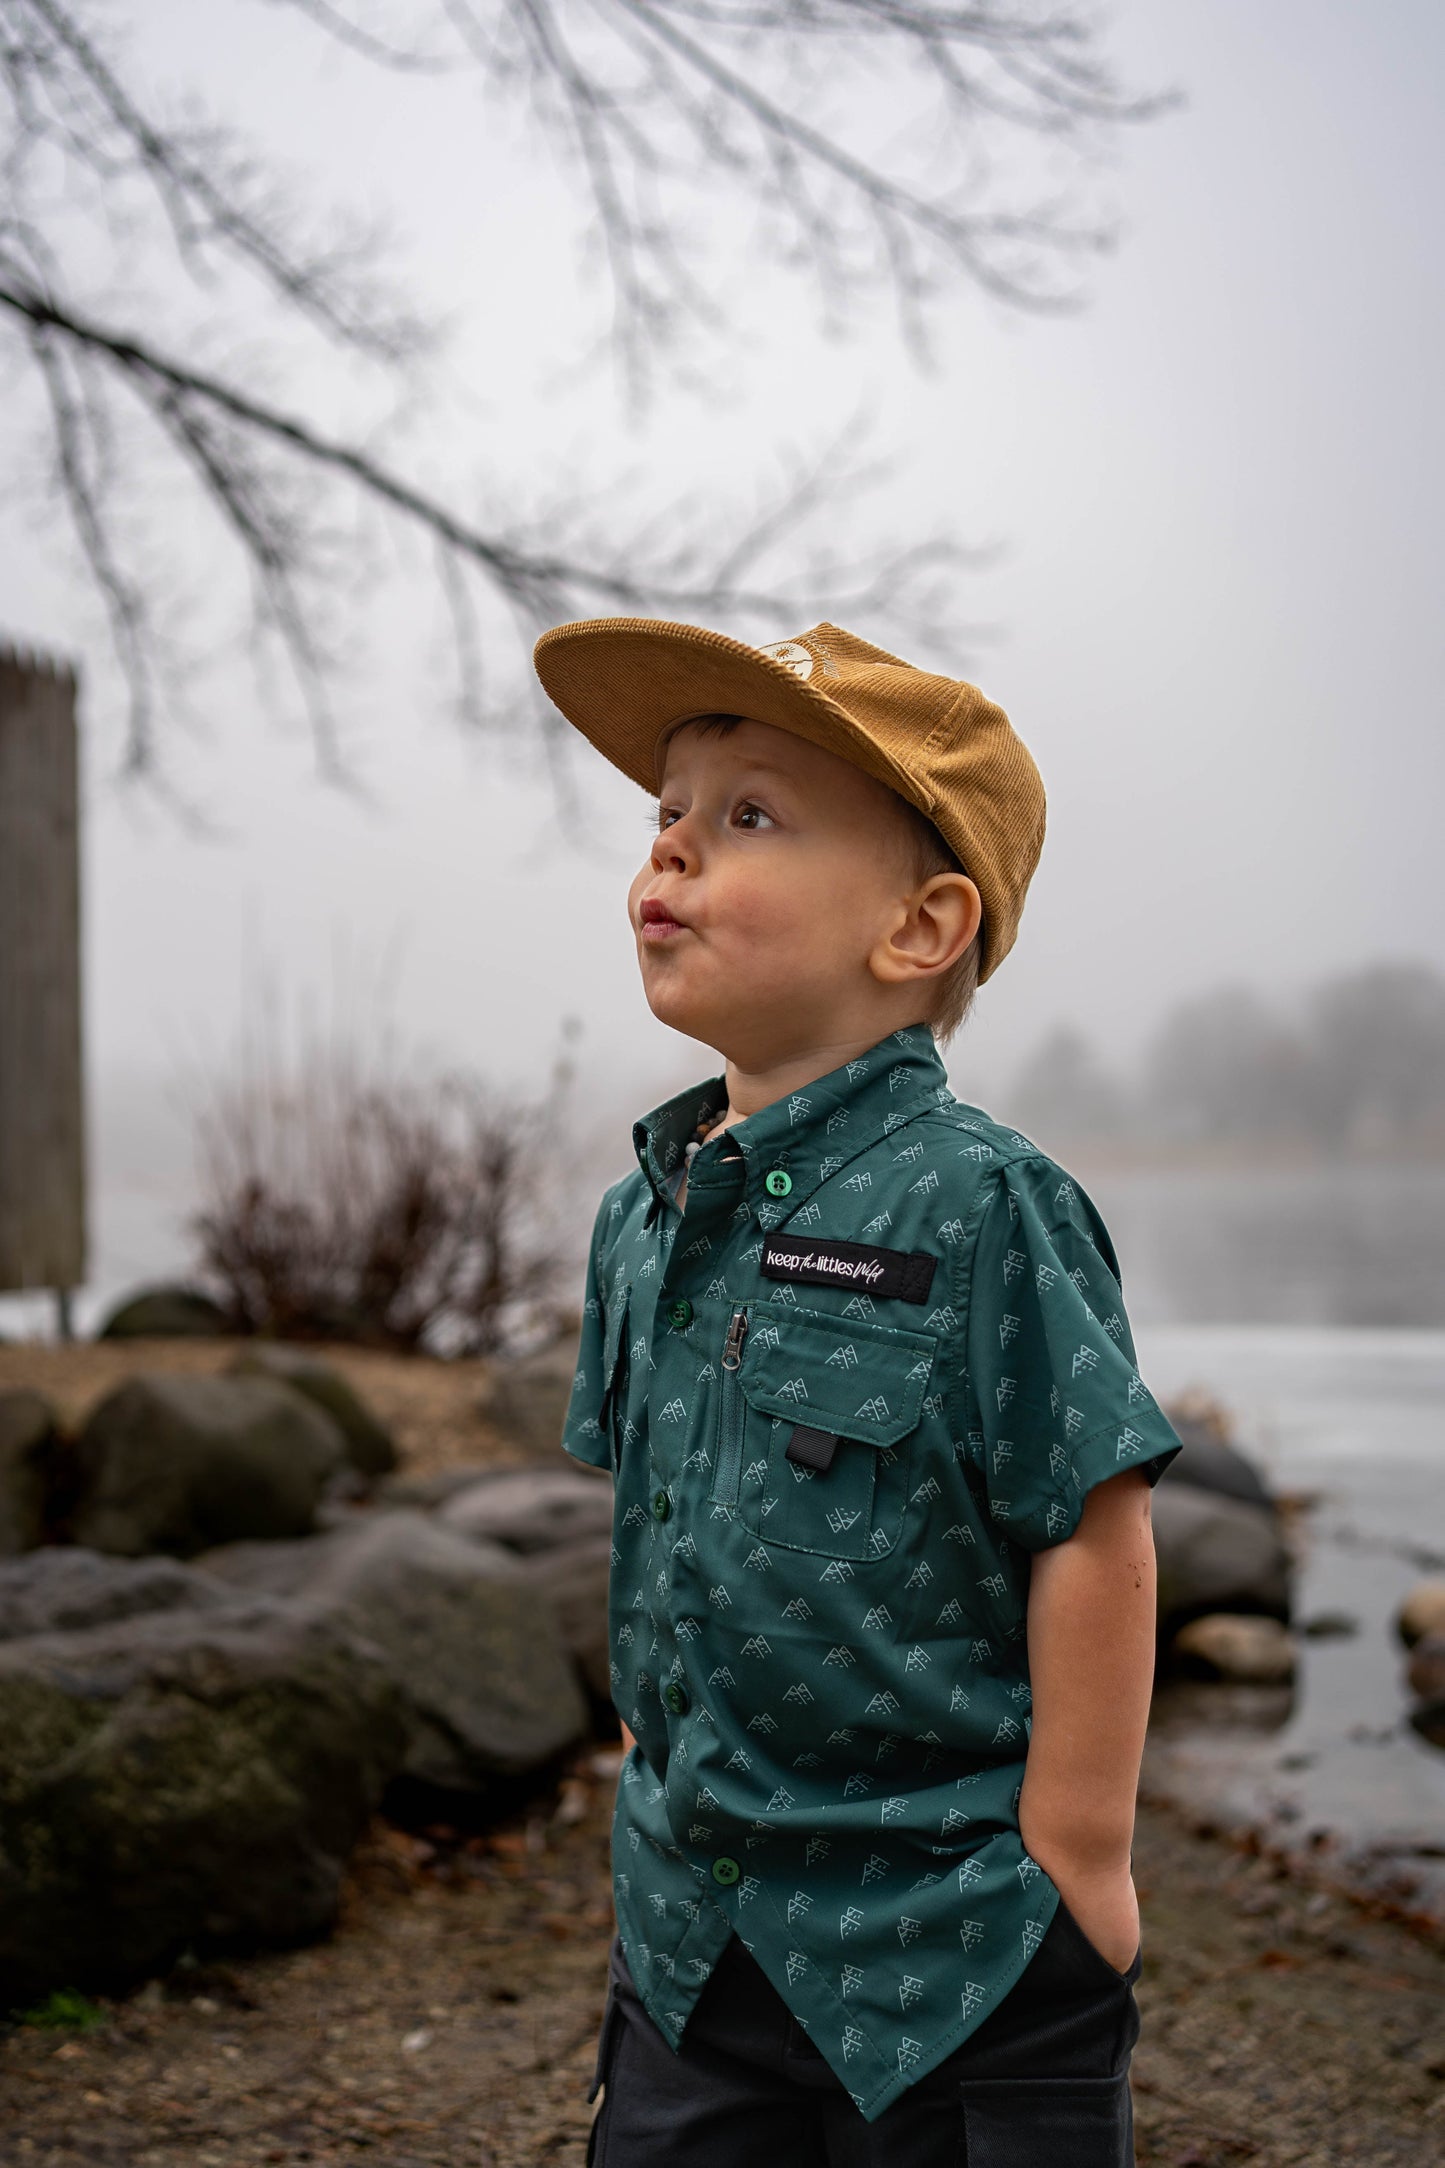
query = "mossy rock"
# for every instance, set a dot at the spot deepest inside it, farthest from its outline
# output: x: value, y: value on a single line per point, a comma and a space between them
x: 370, y: 1446
x: 183, y: 1777
x: 181, y: 1463
x: 166, y: 1313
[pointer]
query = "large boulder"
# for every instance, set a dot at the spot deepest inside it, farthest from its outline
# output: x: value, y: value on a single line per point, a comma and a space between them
x: 1209, y: 1462
x: 166, y: 1313
x: 64, y: 1589
x: 526, y: 1398
x: 181, y: 1463
x: 193, y: 1775
x: 487, y: 1678
x: 1217, y: 1554
x: 574, y: 1581
x: 531, y: 1509
x: 428, y: 1491
x: 28, y: 1442
x: 370, y: 1446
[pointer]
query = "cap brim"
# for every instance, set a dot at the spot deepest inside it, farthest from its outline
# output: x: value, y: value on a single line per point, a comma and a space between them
x: 623, y: 680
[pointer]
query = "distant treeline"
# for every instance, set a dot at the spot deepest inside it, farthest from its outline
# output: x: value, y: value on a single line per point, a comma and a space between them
x: 1358, y: 1065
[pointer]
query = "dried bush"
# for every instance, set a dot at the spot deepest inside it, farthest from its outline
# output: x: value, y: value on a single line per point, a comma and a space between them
x: 416, y: 1212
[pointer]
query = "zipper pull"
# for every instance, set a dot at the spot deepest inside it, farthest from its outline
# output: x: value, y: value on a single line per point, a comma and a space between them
x: 733, y: 1345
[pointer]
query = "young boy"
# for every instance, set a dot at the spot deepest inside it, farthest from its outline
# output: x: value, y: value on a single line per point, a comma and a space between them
x: 882, y: 1591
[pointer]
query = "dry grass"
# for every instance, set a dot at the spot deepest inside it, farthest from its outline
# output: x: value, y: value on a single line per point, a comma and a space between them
x: 431, y: 1407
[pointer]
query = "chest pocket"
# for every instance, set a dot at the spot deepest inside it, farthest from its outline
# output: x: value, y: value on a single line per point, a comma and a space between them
x: 859, y: 1382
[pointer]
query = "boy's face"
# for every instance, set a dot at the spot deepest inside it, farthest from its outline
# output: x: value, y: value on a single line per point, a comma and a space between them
x: 781, y: 869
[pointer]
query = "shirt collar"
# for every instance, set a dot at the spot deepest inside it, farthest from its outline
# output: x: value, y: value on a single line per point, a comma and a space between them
x: 809, y: 1134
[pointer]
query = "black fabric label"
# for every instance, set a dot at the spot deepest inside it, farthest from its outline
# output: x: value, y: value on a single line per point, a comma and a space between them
x: 907, y: 1274
x: 811, y: 1448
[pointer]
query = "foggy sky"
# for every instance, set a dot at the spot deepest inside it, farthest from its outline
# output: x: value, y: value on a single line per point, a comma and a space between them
x: 1217, y: 496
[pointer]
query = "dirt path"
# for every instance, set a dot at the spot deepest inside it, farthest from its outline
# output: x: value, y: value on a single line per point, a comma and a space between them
x: 452, y: 2020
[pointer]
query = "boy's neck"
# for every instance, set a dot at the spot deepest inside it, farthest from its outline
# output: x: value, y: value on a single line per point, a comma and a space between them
x: 750, y: 1090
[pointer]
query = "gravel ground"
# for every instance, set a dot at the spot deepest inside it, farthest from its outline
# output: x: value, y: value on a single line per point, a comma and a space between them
x: 452, y: 2018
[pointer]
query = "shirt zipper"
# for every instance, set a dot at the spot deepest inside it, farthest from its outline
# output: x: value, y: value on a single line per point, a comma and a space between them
x: 727, y: 1480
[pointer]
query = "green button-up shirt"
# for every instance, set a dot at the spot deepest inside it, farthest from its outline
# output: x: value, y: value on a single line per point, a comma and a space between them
x: 874, y: 1363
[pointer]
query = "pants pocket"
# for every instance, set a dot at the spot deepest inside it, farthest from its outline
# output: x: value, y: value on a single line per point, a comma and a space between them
x: 1063, y: 2122
x: 611, y: 2019
x: 1120, y: 1979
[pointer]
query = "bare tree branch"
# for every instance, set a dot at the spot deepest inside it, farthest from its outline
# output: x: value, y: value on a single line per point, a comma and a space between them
x: 657, y: 101
x: 648, y: 94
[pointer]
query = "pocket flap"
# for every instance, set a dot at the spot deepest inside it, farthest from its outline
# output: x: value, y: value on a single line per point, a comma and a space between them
x: 612, y: 1347
x: 838, y: 1374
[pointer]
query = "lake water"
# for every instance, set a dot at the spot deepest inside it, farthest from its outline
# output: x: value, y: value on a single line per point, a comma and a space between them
x: 1331, y: 1766
x: 1311, y: 1301
x: 1358, y: 1243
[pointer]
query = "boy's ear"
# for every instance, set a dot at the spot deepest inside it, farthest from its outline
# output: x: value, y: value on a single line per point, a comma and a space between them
x: 931, y: 930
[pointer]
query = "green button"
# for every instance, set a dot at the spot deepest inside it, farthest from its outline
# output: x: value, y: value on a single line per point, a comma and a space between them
x: 779, y: 1182
x: 676, y: 1698
x: 661, y: 1504
x: 680, y: 1312
x: 727, y: 1871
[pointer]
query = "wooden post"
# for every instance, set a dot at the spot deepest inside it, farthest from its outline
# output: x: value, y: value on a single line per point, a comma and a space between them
x: 42, y: 1115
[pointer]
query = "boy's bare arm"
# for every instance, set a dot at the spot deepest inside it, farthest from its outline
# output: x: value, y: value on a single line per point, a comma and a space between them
x: 1091, y: 1662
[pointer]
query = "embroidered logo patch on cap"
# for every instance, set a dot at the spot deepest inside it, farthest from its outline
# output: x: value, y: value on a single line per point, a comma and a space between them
x: 906, y: 1274
x: 791, y: 652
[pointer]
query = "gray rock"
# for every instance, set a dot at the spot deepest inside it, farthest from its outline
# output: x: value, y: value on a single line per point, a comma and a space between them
x: 370, y: 1446
x: 1422, y: 1612
x: 1208, y: 1463
x: 28, y: 1443
x: 427, y: 1491
x: 1221, y: 1645
x: 166, y: 1313
x: 531, y: 1509
x: 1427, y: 1667
x: 181, y: 1777
x: 526, y: 1399
x: 574, y: 1581
x: 180, y: 1463
x: 64, y: 1589
x: 1217, y: 1554
x: 488, y: 1681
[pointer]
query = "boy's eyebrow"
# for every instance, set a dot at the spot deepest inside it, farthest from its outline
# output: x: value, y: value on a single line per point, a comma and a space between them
x: 769, y: 767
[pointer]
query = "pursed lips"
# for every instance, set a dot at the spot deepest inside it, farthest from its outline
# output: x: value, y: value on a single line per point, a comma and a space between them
x: 657, y: 922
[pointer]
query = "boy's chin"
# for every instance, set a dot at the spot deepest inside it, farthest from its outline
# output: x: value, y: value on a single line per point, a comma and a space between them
x: 705, y: 1021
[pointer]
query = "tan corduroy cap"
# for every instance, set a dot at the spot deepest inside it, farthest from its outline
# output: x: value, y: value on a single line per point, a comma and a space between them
x: 935, y: 740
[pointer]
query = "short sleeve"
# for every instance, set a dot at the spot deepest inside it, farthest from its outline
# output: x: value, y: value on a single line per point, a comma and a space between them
x: 1057, y: 1397
x: 584, y: 1435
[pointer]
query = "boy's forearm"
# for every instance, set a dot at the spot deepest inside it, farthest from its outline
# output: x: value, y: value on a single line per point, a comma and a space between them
x: 1091, y: 1629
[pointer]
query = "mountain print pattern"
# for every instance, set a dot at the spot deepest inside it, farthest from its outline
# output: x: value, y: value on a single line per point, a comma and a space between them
x: 825, y: 1667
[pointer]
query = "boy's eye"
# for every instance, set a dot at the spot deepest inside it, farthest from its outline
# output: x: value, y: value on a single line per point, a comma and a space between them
x: 747, y: 814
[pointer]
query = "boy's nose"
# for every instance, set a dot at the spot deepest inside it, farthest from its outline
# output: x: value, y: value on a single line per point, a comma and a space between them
x: 670, y: 846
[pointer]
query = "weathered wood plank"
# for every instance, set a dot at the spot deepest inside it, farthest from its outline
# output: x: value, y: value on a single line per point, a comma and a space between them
x: 42, y: 1119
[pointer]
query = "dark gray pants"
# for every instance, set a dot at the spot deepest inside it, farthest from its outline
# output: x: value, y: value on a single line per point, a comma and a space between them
x: 1043, y: 2082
